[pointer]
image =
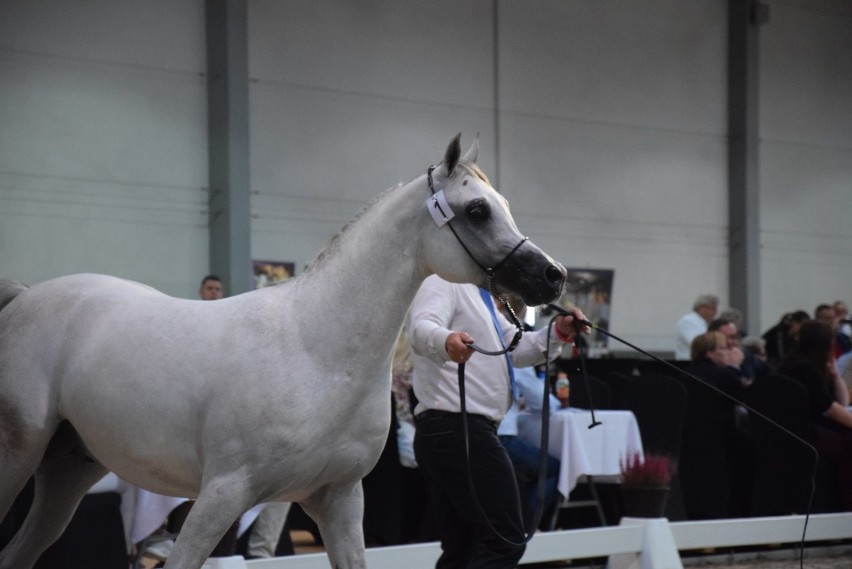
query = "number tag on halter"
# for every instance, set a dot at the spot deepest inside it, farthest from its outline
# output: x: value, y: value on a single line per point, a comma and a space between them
x: 439, y: 209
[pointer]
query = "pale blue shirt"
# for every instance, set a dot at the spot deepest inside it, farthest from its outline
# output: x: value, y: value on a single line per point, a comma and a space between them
x: 531, y: 388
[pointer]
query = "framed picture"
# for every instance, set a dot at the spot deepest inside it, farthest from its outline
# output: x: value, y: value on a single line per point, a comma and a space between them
x: 590, y: 290
x: 268, y: 273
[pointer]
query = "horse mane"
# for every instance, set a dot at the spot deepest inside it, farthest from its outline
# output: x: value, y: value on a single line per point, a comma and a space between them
x: 333, y: 244
x: 474, y: 169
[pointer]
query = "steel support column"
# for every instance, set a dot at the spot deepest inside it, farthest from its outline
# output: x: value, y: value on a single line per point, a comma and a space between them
x: 228, y: 143
x: 745, y: 17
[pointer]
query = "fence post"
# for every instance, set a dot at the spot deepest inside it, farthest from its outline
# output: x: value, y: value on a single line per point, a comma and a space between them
x: 232, y: 562
x: 658, y: 547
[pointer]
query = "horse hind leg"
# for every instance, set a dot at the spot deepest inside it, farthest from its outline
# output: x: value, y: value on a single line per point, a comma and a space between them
x: 61, y: 481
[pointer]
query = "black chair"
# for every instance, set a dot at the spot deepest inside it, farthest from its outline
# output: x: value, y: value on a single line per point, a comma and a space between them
x: 665, y: 367
x: 659, y: 403
x: 617, y: 383
x: 601, y: 367
x: 704, y: 467
x: 784, y: 466
x: 594, y: 395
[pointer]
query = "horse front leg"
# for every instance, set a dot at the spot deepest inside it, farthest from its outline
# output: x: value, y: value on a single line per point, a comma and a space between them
x: 218, y: 505
x: 338, y: 512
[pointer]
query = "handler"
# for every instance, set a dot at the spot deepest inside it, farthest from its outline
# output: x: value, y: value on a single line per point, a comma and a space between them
x: 444, y: 319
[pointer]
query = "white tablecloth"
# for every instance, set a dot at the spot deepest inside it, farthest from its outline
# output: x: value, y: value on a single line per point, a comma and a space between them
x: 152, y: 509
x: 583, y: 451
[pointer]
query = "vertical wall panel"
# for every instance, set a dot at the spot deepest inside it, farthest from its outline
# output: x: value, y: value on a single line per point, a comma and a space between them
x: 103, y: 141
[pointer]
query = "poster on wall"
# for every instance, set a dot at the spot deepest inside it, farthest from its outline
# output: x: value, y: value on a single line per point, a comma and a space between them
x: 591, y: 291
x: 268, y: 273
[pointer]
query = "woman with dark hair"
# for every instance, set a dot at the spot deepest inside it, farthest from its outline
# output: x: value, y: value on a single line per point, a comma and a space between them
x: 781, y: 338
x: 812, y: 363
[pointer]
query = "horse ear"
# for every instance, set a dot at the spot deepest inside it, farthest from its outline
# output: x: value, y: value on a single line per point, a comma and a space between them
x: 452, y: 155
x: 473, y: 152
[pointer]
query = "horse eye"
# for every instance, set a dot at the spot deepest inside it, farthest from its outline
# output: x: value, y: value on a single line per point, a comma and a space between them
x: 478, y: 210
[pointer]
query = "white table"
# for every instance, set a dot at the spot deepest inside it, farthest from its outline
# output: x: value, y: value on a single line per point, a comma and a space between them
x: 583, y: 451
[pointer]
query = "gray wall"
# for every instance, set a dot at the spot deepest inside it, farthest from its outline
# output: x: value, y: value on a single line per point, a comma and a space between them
x: 610, y: 140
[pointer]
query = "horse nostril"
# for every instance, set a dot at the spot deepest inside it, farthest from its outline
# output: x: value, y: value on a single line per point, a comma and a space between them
x: 554, y: 275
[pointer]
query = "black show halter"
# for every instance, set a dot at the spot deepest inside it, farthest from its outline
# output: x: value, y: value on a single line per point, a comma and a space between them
x: 489, y: 276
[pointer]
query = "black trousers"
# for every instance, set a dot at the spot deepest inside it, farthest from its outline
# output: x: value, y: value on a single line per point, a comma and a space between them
x: 467, y: 540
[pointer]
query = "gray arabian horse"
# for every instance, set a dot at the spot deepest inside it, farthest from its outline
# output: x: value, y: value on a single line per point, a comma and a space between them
x: 255, y: 399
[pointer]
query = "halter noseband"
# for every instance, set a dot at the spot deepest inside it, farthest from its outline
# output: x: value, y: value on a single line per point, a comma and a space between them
x: 489, y: 278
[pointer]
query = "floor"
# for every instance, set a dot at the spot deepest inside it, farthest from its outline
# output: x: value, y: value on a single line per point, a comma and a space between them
x: 837, y: 557
x: 834, y: 560
x: 303, y: 542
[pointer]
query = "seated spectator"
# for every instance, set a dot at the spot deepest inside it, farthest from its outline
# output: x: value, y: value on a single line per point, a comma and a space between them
x: 717, y: 364
x: 812, y: 363
x: 694, y: 323
x: 842, y: 313
x: 524, y: 456
x: 826, y: 313
x: 714, y: 361
x: 750, y: 367
x: 844, y: 369
x: 781, y: 338
x: 756, y: 346
x: 736, y: 316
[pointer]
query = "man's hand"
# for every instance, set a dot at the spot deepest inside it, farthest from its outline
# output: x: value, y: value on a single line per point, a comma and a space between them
x: 458, y: 346
x: 566, y: 327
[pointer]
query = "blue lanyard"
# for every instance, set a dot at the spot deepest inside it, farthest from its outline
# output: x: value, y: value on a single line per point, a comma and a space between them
x: 486, y: 298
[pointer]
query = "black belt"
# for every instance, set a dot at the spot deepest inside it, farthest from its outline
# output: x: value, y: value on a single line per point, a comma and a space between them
x: 437, y: 414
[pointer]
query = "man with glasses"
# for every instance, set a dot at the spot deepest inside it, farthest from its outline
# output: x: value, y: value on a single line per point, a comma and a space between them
x: 750, y: 367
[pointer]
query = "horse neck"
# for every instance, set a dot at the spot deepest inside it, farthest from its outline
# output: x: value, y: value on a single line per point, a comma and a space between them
x: 368, y: 274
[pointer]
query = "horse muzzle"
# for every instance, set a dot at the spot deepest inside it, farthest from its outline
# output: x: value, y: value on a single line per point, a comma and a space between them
x: 532, y: 275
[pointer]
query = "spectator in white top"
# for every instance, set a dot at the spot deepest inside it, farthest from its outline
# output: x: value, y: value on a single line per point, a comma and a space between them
x: 695, y: 323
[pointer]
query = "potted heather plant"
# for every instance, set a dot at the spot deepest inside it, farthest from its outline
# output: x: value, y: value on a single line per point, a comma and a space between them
x: 645, y: 484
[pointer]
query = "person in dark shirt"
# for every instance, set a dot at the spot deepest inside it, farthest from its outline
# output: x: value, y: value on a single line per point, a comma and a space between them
x: 781, y: 338
x: 811, y: 362
x: 718, y: 363
x: 751, y: 366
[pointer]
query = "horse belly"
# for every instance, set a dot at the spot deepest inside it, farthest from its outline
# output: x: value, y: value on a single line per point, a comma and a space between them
x: 146, y: 444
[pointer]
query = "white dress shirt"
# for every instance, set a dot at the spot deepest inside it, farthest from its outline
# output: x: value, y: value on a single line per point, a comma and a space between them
x: 440, y: 308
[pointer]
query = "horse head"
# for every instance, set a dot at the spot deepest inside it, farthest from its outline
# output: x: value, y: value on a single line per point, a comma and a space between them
x: 477, y: 240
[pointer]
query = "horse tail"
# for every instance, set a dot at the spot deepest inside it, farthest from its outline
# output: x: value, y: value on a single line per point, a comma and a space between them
x: 9, y: 290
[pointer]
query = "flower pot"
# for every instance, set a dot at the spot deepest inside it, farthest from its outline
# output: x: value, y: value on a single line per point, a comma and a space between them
x: 642, y: 502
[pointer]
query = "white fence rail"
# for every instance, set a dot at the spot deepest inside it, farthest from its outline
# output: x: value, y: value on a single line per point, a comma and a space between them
x: 636, y: 543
